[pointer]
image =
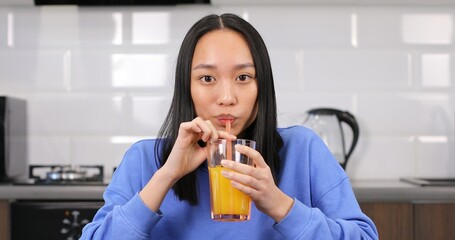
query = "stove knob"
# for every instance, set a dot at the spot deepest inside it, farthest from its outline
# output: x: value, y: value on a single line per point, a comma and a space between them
x: 75, y: 213
x: 64, y: 230
x: 66, y: 221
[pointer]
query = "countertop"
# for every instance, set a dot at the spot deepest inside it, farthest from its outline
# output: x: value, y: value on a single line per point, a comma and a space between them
x: 11, y: 192
x: 399, y: 191
x: 365, y: 191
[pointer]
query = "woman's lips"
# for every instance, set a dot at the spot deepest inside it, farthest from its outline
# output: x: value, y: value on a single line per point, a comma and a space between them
x: 223, y: 119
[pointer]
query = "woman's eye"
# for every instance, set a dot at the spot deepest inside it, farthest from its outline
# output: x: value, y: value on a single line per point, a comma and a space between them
x: 243, y: 77
x: 207, y: 79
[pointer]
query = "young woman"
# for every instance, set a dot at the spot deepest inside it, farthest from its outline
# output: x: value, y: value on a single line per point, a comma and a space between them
x: 161, y: 188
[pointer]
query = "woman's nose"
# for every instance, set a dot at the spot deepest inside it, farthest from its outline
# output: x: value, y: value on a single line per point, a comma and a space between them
x: 226, y: 93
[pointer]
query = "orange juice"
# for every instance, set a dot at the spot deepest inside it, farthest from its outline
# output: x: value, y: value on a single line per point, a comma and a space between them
x: 228, y: 203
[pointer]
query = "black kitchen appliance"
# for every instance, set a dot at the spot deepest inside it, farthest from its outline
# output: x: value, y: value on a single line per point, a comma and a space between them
x: 51, y: 220
x: 13, y: 138
x: 55, y: 219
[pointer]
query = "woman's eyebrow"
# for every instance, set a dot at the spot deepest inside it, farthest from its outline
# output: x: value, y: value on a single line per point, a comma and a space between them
x: 205, y: 66
x: 244, y: 65
x: 210, y: 66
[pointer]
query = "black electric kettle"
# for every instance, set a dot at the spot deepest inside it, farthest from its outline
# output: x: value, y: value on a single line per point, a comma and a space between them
x: 326, y: 122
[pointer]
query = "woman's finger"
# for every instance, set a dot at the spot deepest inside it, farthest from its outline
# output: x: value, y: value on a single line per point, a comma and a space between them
x: 243, y: 179
x: 190, y: 127
x: 226, y: 135
x: 249, y: 191
x: 213, y: 132
x: 245, y: 170
x: 205, y: 128
x: 239, y: 167
x: 253, y: 154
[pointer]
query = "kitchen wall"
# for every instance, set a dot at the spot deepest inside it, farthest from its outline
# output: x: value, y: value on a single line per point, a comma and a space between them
x: 98, y: 79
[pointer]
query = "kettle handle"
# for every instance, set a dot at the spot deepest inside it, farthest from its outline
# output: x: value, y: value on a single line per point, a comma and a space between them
x: 348, y: 118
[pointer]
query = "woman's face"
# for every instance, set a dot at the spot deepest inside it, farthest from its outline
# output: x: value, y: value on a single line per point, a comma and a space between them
x: 223, y: 80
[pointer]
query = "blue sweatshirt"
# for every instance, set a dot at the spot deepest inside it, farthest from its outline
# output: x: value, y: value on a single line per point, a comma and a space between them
x: 324, y: 204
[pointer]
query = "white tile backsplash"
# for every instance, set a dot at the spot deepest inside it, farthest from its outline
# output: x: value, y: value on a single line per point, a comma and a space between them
x: 32, y: 70
x: 406, y: 114
x: 355, y: 70
x: 100, y: 150
x: 49, y: 149
x: 120, y: 70
x: 405, y: 27
x: 98, y: 79
x: 436, y: 70
x: 287, y: 70
x: 419, y: 28
x: 303, y: 27
x: 146, y: 115
x: 101, y: 29
x: 46, y: 27
x: 150, y: 28
x: 435, y: 156
x: 379, y: 28
x: 77, y: 114
x: 4, y: 27
x: 383, y: 157
x: 301, y: 102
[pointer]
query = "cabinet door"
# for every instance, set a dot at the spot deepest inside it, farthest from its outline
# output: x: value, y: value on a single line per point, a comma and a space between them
x: 434, y: 221
x: 394, y: 221
x: 4, y: 220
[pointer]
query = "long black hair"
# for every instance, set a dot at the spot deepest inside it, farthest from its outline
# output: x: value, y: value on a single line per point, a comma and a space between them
x: 262, y: 129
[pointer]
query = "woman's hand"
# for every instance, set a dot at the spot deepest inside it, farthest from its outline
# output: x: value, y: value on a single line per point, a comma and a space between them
x: 187, y: 155
x: 257, y: 182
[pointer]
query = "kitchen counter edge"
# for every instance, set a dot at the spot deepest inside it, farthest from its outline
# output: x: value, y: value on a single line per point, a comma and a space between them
x: 365, y: 191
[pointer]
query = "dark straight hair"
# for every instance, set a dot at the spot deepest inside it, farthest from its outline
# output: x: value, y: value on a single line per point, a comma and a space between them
x: 263, y: 129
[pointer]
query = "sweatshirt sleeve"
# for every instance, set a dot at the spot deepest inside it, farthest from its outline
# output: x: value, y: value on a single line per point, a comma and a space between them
x: 347, y: 222
x: 325, y: 206
x: 124, y: 214
x: 130, y: 221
